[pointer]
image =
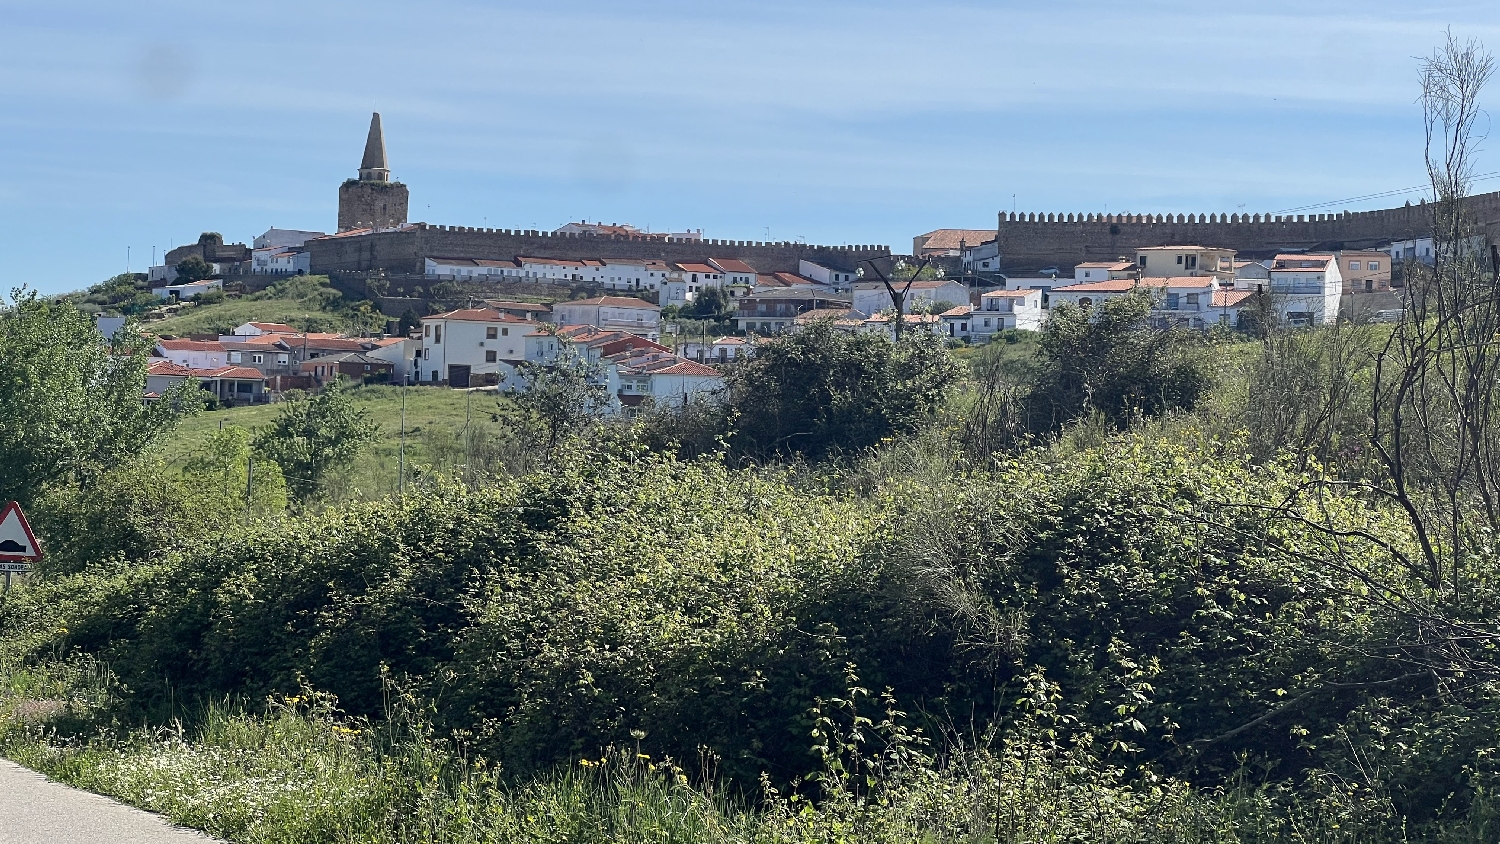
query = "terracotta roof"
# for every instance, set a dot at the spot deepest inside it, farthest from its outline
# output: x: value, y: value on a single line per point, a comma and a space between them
x: 562, y: 262
x: 191, y: 345
x: 1124, y: 285
x: 475, y: 315
x: 1019, y: 294
x: 732, y: 265
x: 502, y: 305
x: 730, y: 341
x: 662, y: 363
x: 818, y: 313
x: 471, y: 262
x: 611, y: 301
x: 1106, y: 265
x: 1320, y: 262
x: 1230, y: 298
x: 166, y: 367
x: 341, y: 343
x: 782, y: 280
x: 346, y: 357
x: 960, y: 311
x: 949, y: 238
x: 699, y: 268
x: 262, y: 340
x: 241, y: 372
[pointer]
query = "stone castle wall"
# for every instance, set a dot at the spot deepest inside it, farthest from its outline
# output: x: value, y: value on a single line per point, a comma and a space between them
x: 405, y: 251
x: 380, y: 205
x: 1030, y: 242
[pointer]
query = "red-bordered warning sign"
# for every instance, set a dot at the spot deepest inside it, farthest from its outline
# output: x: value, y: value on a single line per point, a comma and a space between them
x: 17, y: 543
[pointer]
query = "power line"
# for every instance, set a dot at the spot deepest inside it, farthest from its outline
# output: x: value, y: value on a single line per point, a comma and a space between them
x: 1480, y: 178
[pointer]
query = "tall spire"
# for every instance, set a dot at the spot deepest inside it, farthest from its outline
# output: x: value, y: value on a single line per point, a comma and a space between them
x: 373, y: 168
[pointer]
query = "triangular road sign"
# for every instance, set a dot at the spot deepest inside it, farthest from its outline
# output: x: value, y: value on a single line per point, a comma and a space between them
x: 17, y: 543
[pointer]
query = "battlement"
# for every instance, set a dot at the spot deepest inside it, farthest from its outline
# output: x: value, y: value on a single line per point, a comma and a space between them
x: 1030, y: 240
x: 405, y: 250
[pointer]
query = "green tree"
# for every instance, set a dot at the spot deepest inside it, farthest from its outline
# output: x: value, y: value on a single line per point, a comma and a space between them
x: 566, y: 397
x: 314, y: 434
x: 1109, y: 358
x: 710, y: 303
x: 822, y: 390
x: 70, y: 407
x: 193, y: 268
x: 231, y: 481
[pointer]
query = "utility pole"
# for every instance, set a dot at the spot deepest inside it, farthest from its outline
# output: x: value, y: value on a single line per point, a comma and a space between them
x: 249, y: 483
x: 401, y: 453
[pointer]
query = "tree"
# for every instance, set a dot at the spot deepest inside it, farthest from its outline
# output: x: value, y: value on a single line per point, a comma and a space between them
x: 1110, y: 359
x: 70, y: 407
x: 565, y: 397
x: 231, y: 482
x: 898, y: 296
x: 312, y: 435
x: 193, y: 268
x: 710, y: 303
x: 409, y: 322
x: 821, y: 390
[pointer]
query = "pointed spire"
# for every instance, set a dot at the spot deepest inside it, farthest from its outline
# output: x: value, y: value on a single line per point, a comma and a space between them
x: 373, y: 168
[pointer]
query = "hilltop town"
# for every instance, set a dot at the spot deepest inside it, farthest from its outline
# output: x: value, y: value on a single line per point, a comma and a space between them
x: 659, y: 314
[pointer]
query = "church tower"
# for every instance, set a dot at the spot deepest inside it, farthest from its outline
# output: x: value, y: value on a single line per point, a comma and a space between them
x: 372, y: 200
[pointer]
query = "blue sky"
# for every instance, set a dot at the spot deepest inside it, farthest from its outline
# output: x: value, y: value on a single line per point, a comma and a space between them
x: 142, y: 124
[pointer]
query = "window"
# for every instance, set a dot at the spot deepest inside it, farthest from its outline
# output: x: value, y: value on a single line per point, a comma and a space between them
x: 1354, y: 265
x: 1192, y: 262
x: 489, y: 357
x: 1192, y: 300
x: 1374, y: 266
x: 1179, y: 259
x: 281, y: 360
x: 505, y: 332
x: 257, y: 358
x: 426, y: 331
x: 234, y: 357
x: 1173, y: 301
x: 1141, y: 260
x: 491, y: 332
x: 437, y: 334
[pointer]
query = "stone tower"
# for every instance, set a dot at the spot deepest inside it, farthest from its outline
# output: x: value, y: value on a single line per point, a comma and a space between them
x: 372, y: 200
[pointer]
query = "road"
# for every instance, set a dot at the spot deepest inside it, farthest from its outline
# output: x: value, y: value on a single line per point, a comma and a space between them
x: 35, y: 810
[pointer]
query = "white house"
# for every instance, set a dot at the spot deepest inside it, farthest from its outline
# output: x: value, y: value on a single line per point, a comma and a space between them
x: 1184, y: 301
x: 1251, y: 271
x: 1419, y: 249
x: 1230, y: 307
x: 717, y: 350
x: 183, y: 292
x: 628, y: 274
x: 667, y: 380
x: 1000, y: 310
x: 983, y: 258
x: 193, y: 354
x: 280, y: 260
x: 737, y: 273
x: 283, y: 238
x: 554, y: 270
x: 872, y: 298
x: 1305, y: 289
x: 256, y: 329
x: 956, y: 322
x: 617, y: 313
x: 840, y: 280
x: 459, y: 345
x: 1105, y: 270
x: 401, y: 353
x: 456, y: 268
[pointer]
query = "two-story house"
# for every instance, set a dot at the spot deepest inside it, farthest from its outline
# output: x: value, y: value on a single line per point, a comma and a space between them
x: 1000, y: 310
x: 1183, y: 261
x: 872, y: 298
x: 470, y: 346
x: 1305, y: 289
x: 612, y: 313
x: 771, y: 310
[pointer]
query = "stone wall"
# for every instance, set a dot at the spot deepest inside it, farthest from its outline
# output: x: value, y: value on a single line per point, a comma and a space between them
x: 1029, y: 242
x: 404, y: 251
x: 379, y: 205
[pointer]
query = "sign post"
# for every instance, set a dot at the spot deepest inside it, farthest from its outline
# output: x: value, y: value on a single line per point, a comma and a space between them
x: 18, y: 545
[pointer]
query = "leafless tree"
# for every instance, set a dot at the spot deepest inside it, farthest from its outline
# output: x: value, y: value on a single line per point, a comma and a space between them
x: 898, y: 297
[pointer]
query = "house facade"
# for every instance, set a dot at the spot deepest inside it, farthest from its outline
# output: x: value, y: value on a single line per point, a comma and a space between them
x: 1184, y: 261
x: 470, y: 346
x: 872, y: 298
x: 611, y: 313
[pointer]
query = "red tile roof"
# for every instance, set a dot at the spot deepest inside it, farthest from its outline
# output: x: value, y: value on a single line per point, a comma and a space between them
x: 949, y: 238
x: 698, y: 268
x: 611, y: 301
x: 240, y: 372
x: 166, y: 367
x: 732, y: 265
x: 1107, y: 265
x: 191, y: 345
x: 475, y: 315
x: 1230, y: 298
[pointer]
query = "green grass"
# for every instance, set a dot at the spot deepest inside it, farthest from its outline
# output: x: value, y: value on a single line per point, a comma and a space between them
x: 435, y: 420
x: 306, y: 303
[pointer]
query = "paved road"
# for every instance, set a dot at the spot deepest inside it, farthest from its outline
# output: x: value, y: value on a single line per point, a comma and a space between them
x: 35, y: 810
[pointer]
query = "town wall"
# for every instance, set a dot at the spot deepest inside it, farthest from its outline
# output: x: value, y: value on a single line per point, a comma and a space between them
x: 405, y: 250
x: 1030, y: 241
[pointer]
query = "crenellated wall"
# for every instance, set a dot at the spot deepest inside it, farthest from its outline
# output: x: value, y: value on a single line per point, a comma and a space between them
x: 404, y: 251
x: 1032, y: 241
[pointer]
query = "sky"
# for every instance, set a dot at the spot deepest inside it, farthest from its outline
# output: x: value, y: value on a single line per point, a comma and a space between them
x: 129, y: 128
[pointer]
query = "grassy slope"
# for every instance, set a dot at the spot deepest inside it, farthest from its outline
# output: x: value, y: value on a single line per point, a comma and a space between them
x: 302, y: 306
x: 433, y: 415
